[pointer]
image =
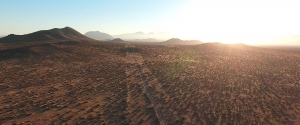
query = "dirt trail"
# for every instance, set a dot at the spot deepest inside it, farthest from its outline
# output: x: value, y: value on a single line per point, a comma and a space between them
x: 135, y: 58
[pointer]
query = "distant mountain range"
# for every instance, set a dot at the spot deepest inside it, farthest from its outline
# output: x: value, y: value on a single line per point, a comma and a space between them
x: 176, y: 41
x: 137, y: 36
x: 98, y: 35
x: 143, y: 36
x: 66, y: 33
x: 146, y: 40
x: 69, y: 33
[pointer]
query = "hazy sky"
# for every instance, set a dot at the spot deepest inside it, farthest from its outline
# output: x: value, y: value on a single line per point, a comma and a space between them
x: 229, y: 21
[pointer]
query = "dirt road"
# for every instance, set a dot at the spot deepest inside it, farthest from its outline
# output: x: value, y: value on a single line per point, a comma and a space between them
x: 135, y: 58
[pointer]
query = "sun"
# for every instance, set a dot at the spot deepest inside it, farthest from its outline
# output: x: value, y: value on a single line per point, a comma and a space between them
x: 233, y: 22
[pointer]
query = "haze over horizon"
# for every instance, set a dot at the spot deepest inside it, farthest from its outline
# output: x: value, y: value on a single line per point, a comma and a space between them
x: 250, y: 22
x: 159, y: 62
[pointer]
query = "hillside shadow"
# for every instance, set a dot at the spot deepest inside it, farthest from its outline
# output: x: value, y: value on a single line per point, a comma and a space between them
x: 21, y: 52
x: 130, y: 50
x: 33, y: 50
x: 68, y: 43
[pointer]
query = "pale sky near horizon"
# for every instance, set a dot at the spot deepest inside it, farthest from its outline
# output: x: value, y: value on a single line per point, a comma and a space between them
x: 228, y: 21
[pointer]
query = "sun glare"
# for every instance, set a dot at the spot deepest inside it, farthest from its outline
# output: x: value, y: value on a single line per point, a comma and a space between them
x: 235, y: 21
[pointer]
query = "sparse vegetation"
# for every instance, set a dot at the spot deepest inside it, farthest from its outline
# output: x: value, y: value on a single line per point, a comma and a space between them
x: 100, y: 83
x: 225, y: 84
x: 78, y: 83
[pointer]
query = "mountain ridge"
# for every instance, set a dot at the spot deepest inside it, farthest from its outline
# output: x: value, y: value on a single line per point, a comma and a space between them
x: 66, y: 33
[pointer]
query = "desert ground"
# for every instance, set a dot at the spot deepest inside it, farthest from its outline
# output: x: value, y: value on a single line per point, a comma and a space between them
x: 225, y: 84
x: 91, y: 82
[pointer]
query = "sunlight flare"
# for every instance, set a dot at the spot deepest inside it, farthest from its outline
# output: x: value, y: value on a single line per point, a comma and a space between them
x: 235, y: 21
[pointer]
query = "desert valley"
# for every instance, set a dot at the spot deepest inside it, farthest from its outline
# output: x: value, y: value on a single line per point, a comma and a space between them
x: 60, y: 76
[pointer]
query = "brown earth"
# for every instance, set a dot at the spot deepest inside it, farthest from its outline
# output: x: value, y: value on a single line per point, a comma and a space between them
x: 215, y: 83
x: 87, y: 82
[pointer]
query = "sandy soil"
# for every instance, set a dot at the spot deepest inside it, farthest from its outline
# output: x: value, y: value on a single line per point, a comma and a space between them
x: 103, y: 83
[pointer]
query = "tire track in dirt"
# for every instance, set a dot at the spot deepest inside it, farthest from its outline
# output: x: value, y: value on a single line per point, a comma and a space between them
x: 138, y: 61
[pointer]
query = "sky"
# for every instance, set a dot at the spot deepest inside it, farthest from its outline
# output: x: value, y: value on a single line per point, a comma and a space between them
x: 228, y: 21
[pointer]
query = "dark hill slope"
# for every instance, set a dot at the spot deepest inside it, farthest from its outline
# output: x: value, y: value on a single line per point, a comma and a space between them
x: 66, y: 33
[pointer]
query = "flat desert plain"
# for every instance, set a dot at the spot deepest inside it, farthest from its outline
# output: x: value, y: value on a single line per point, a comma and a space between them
x: 88, y: 82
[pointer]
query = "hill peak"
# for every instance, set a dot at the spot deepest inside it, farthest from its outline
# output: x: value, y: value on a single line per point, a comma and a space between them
x: 182, y: 42
x: 66, y: 33
x: 67, y: 27
x: 174, y: 39
x: 97, y: 35
x: 117, y: 40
